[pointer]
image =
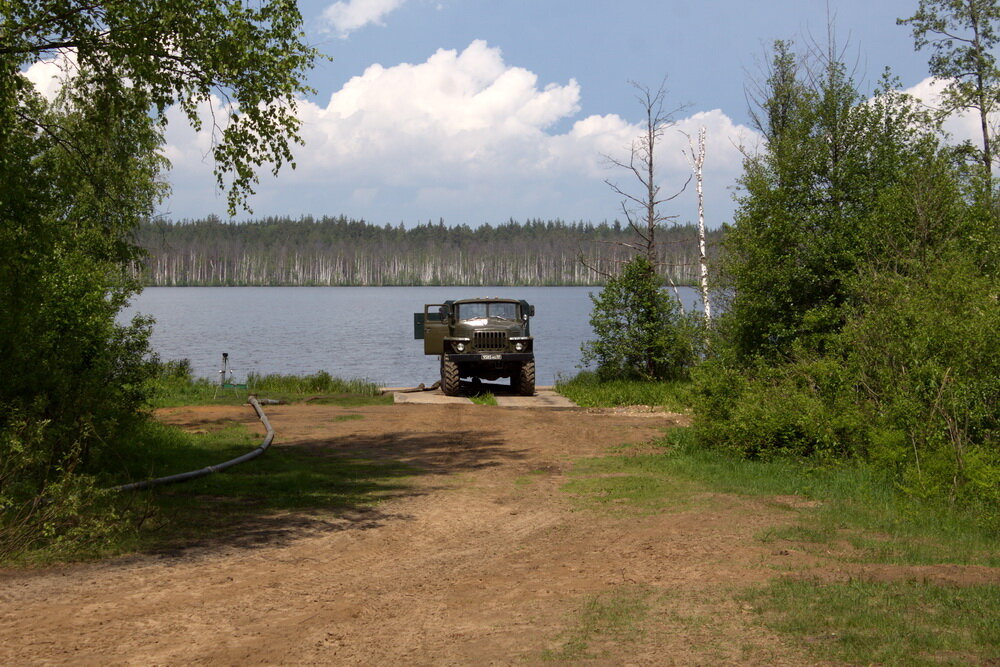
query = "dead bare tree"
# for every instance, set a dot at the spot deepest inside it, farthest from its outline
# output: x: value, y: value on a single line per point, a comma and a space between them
x: 643, y: 209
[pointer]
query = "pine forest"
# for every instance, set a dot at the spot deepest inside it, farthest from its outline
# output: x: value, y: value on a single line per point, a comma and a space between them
x: 341, y: 251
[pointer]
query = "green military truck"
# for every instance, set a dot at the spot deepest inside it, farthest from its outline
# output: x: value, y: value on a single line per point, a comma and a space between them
x: 484, y: 339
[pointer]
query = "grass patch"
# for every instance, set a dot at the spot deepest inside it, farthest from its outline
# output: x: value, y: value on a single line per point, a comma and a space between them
x: 845, y: 501
x: 283, y: 492
x: 176, y: 386
x: 634, y: 483
x: 346, y: 418
x: 844, y: 511
x: 317, y: 383
x: 886, y: 623
x: 282, y: 479
x: 530, y: 477
x: 614, y: 618
x: 485, y: 398
x: 587, y: 391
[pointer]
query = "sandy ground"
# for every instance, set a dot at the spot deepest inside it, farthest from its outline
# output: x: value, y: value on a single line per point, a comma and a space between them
x: 485, y: 560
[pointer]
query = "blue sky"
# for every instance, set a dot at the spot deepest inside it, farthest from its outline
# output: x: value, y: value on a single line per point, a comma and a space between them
x: 479, y: 111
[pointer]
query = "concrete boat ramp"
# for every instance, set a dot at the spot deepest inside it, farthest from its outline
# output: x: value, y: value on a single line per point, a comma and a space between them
x: 545, y: 397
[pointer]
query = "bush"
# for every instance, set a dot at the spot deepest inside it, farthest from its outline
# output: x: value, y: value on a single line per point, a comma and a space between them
x: 927, y: 361
x: 911, y: 384
x: 62, y: 510
x: 641, y: 333
x: 796, y: 409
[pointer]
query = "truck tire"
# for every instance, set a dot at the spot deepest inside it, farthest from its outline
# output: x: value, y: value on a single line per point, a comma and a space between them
x: 449, y: 378
x: 525, y: 385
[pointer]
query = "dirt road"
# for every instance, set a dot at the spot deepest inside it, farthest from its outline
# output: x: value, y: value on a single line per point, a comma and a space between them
x: 484, y: 560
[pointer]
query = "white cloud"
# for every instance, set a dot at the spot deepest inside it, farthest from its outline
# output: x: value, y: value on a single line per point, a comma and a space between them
x: 346, y: 16
x: 465, y: 136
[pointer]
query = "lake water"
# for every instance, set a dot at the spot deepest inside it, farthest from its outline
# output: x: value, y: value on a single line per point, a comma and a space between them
x: 350, y: 332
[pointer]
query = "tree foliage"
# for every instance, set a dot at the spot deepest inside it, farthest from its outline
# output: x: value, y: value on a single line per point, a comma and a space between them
x: 640, y: 332
x: 150, y: 54
x: 962, y: 36
x: 77, y: 175
x: 803, y: 222
x: 862, y: 271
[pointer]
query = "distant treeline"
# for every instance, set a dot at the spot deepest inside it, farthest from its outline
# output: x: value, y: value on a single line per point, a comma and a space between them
x: 341, y: 251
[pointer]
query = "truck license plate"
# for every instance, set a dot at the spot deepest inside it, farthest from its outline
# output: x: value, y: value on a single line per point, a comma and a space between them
x: 491, y: 357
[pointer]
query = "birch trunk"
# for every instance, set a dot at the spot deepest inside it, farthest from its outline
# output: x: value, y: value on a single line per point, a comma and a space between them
x: 697, y: 159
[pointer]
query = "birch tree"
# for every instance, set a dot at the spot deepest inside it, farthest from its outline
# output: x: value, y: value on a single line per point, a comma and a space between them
x: 77, y: 176
x: 696, y: 157
x: 962, y: 35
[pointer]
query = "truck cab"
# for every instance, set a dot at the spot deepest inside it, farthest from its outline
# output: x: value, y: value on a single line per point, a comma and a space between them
x: 485, y: 338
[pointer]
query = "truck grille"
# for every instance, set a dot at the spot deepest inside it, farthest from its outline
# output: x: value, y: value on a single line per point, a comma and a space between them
x: 490, y: 340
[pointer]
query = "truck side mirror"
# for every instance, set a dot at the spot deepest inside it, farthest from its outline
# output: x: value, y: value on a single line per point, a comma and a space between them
x: 531, y: 311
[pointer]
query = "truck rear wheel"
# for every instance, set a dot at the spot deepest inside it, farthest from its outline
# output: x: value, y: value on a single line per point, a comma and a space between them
x: 449, y: 378
x: 525, y: 380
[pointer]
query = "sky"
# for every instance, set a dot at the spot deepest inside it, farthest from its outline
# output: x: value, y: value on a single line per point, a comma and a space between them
x: 476, y: 111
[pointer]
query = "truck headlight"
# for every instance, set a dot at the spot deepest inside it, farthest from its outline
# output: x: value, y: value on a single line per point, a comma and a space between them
x: 518, y: 346
x: 460, y: 347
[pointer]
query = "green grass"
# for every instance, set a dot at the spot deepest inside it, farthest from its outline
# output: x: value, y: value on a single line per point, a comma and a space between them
x: 246, y: 497
x: 906, y: 622
x: 850, y: 502
x: 587, y: 391
x: 317, y: 383
x: 615, y: 617
x: 530, y: 478
x: 284, y: 492
x: 631, y: 483
x: 176, y: 386
x: 842, y: 512
x: 485, y: 398
x: 347, y: 418
x: 853, y: 502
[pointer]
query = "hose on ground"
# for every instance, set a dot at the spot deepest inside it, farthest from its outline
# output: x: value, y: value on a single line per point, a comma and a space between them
x: 420, y: 387
x: 195, y: 474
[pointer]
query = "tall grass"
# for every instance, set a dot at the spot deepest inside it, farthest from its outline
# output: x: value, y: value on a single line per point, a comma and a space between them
x: 316, y: 383
x: 589, y: 391
x: 175, y: 385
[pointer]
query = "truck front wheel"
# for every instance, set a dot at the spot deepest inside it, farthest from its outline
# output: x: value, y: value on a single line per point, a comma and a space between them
x: 449, y: 378
x: 525, y: 379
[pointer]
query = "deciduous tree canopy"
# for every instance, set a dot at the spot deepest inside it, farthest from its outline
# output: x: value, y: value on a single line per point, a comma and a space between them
x: 862, y: 272
x: 77, y: 175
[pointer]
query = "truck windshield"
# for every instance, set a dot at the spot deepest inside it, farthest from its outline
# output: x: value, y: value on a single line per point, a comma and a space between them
x: 475, y: 311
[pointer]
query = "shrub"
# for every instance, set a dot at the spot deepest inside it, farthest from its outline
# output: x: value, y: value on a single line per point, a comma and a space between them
x: 911, y: 383
x: 925, y: 350
x: 640, y: 330
x: 795, y: 409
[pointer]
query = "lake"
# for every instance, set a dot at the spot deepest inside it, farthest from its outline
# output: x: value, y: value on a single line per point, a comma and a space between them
x: 350, y: 332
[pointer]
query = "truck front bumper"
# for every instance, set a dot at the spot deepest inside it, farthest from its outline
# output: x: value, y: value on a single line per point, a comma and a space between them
x: 487, y: 357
